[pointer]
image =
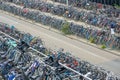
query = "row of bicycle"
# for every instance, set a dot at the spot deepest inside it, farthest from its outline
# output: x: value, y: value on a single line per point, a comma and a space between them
x: 20, y: 62
x: 101, y: 37
x: 87, y: 4
x: 92, y: 18
x: 26, y: 37
x: 78, y: 4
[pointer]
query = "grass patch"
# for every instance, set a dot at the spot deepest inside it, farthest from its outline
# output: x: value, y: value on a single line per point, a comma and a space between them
x: 66, y: 28
x: 103, y: 46
x: 92, y: 40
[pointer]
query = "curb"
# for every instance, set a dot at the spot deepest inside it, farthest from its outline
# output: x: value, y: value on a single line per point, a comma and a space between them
x: 93, y: 45
x: 56, y: 31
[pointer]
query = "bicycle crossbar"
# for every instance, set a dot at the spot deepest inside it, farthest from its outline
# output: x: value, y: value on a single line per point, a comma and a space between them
x: 74, y: 71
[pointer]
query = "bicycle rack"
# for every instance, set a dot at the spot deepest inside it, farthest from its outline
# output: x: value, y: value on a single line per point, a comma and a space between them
x: 74, y: 71
x: 38, y: 52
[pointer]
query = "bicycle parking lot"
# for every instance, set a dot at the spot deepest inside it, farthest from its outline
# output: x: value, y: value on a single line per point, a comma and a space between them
x: 55, y: 59
x: 31, y: 60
